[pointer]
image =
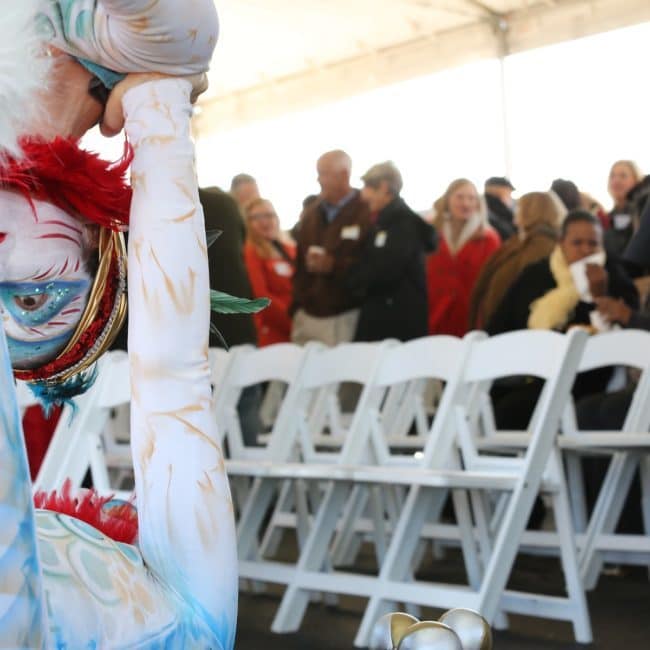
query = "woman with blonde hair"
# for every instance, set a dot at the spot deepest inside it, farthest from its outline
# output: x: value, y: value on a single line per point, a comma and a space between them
x: 538, y: 218
x: 624, y: 176
x: 269, y: 259
x: 466, y: 241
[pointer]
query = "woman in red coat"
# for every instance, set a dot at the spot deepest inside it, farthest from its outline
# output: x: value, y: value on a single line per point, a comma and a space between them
x: 465, y: 242
x: 270, y: 264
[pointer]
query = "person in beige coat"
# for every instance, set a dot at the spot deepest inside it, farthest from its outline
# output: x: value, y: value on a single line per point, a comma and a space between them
x: 538, y: 219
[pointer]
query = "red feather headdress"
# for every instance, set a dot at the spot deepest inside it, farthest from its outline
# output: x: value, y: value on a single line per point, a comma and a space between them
x: 75, y: 180
x: 82, y: 184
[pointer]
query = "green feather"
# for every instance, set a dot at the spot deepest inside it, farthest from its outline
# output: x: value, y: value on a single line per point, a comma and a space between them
x: 211, y: 236
x: 222, y: 303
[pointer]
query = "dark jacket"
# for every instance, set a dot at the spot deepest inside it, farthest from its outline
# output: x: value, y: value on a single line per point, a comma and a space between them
x: 615, y: 238
x: 503, y: 268
x: 390, y: 277
x: 536, y: 280
x: 227, y: 270
x: 533, y: 283
x: 326, y: 294
x: 500, y: 217
x: 226, y: 262
x: 637, y: 252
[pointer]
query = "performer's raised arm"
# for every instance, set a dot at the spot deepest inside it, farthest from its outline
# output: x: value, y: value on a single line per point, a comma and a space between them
x: 185, y: 513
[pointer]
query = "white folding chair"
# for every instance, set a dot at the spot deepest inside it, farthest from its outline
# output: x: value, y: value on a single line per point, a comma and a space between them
x: 296, y: 436
x: 628, y: 448
x: 251, y: 367
x: 551, y: 356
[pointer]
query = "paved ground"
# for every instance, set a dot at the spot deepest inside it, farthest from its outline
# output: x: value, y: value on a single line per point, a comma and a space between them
x: 620, y: 611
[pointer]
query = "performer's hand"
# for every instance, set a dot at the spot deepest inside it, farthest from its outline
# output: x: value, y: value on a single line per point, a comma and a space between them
x: 113, y: 119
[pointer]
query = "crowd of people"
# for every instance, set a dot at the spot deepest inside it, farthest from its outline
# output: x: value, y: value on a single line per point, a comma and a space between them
x: 361, y: 265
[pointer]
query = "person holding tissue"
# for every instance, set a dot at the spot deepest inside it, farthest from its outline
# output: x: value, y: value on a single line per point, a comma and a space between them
x: 557, y: 293
x: 561, y: 290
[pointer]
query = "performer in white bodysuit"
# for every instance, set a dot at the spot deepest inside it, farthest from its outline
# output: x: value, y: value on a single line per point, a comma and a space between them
x: 178, y: 586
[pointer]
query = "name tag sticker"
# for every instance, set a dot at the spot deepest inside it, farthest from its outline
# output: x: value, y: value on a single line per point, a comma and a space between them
x: 350, y: 232
x: 283, y: 269
x: 380, y: 239
x: 622, y: 221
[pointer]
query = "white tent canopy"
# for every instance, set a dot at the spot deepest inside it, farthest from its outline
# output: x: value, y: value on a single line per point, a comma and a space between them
x: 277, y: 56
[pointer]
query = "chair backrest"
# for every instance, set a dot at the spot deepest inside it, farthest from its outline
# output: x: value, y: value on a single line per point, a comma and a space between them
x: 621, y: 348
x: 548, y: 355
x: 315, y: 393
x: 412, y: 364
x: 249, y: 367
x: 629, y: 348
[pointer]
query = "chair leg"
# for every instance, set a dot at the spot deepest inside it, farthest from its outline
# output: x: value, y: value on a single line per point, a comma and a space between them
x: 576, y: 484
x: 313, y: 557
x: 605, y: 515
x: 644, y: 471
x: 505, y: 548
x: 272, y: 536
x: 343, y: 546
x: 479, y: 507
x: 397, y: 563
x: 467, y: 539
x: 255, y: 509
x: 569, y: 559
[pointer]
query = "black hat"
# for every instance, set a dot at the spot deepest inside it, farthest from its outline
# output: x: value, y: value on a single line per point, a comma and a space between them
x: 499, y: 181
x: 568, y: 192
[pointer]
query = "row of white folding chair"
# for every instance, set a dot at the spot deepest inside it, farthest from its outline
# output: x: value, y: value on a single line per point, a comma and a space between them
x: 555, y: 359
x: 624, y: 348
x: 628, y: 449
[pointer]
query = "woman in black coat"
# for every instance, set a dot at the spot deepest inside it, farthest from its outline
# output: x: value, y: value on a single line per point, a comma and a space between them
x: 544, y: 297
x: 390, y: 275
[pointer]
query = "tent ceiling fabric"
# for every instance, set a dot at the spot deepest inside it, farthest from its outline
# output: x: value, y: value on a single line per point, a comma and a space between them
x: 275, y: 56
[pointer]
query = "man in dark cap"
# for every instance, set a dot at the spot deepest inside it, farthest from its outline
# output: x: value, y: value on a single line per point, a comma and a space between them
x: 498, y: 196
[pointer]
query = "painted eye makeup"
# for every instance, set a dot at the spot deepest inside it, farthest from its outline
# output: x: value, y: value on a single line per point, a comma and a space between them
x: 32, y: 304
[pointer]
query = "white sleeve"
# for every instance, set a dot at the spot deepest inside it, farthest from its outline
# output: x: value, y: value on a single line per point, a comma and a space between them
x: 187, y: 532
x: 167, y: 36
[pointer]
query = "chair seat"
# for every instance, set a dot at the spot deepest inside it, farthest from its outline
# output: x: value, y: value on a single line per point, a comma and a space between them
x: 368, y: 474
x: 614, y: 441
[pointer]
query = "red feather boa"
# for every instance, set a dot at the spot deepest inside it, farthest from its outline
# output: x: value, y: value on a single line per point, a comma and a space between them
x: 119, y: 522
x: 75, y: 180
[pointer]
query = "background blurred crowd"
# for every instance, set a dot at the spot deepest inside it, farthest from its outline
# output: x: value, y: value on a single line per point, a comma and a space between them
x: 361, y: 265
